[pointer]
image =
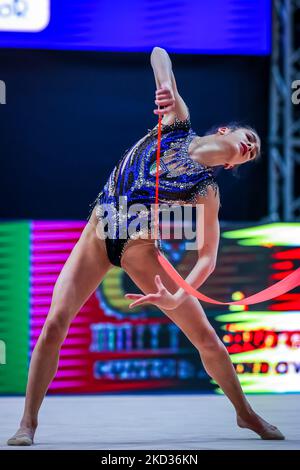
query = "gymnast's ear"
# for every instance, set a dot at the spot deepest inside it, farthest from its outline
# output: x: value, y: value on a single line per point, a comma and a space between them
x: 223, y: 130
x: 227, y: 166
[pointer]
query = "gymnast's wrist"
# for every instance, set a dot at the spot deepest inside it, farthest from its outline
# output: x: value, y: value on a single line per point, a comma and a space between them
x: 180, y: 296
x: 166, y: 84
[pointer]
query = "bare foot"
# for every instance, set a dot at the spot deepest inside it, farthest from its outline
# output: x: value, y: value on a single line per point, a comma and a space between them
x: 23, y: 437
x: 257, y: 424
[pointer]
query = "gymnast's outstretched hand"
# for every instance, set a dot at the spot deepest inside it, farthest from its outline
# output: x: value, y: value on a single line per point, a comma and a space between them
x: 161, y: 299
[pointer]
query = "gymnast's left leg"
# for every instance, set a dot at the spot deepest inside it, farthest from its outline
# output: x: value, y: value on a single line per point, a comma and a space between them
x: 191, y: 319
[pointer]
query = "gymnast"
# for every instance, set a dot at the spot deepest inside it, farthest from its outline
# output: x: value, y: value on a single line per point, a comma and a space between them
x: 186, y: 176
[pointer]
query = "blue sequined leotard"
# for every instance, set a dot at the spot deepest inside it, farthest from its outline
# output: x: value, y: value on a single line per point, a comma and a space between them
x: 181, y: 179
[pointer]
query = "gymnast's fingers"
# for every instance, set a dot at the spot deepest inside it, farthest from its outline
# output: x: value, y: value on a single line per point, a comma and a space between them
x: 165, y: 102
x: 159, y: 283
x: 150, y: 298
x: 133, y: 296
x: 166, y: 110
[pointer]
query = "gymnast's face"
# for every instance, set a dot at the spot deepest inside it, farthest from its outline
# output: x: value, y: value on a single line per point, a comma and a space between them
x: 242, y: 145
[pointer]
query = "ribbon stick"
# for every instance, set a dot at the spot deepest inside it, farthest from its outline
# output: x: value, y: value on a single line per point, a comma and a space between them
x: 281, y: 287
x: 156, y: 217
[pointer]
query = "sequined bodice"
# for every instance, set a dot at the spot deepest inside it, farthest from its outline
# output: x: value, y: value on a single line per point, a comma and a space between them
x: 180, y: 177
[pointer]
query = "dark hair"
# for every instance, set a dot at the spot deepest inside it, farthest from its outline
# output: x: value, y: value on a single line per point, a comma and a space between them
x: 235, y: 126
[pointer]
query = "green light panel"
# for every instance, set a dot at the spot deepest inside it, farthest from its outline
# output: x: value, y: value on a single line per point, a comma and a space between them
x: 14, y: 306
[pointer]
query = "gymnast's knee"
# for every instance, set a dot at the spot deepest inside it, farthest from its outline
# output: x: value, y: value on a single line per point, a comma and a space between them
x: 208, y: 342
x: 54, y: 332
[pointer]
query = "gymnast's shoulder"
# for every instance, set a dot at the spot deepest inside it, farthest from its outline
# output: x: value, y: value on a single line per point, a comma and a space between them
x: 210, y: 198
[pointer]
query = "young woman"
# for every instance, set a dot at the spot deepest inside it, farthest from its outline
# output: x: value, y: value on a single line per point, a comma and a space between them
x: 186, y: 177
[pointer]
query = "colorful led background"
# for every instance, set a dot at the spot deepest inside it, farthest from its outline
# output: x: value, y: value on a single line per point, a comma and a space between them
x: 265, y: 342
x: 110, y: 348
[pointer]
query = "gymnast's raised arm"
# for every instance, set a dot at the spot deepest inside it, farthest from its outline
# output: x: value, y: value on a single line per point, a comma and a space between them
x: 167, y: 95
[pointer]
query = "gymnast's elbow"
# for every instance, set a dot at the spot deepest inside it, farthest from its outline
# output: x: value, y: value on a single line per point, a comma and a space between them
x: 207, y: 262
x: 157, y: 48
x: 212, y: 266
x: 210, y: 263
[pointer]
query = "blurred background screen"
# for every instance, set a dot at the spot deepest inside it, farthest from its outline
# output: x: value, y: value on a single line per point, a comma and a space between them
x: 218, y: 27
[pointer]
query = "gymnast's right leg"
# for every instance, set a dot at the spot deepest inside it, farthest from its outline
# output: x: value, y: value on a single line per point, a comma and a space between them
x: 80, y: 276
